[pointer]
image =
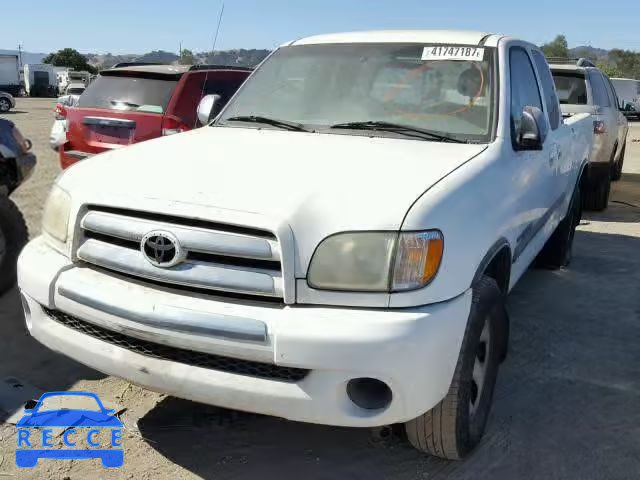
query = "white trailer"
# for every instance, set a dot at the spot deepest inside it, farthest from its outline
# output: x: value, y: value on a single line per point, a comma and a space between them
x: 40, y: 80
x: 10, y: 74
x: 628, y: 91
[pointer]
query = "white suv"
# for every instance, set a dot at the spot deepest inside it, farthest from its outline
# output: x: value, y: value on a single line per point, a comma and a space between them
x: 583, y: 88
x: 335, y: 248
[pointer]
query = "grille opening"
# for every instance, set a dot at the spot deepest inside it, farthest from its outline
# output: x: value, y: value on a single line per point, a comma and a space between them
x: 223, y: 260
x: 180, y: 355
x: 188, y: 222
x: 218, y: 295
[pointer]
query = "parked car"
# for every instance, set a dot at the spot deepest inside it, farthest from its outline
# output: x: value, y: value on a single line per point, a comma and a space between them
x: 336, y: 248
x: 75, y: 89
x: 583, y: 88
x: 16, y: 165
x: 7, y: 102
x: 628, y: 91
x: 136, y: 103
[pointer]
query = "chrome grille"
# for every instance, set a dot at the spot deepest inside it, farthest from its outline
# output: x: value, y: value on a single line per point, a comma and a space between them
x: 218, y: 257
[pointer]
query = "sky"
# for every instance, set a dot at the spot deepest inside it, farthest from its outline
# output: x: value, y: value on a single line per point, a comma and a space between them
x: 138, y: 26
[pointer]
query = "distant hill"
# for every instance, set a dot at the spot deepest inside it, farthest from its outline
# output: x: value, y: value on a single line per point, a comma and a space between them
x: 239, y: 57
x: 592, y: 53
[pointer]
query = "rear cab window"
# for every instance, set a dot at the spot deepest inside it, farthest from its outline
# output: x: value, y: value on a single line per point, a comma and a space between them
x: 571, y: 87
x: 130, y: 92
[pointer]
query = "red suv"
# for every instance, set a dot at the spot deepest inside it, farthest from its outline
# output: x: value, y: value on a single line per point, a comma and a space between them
x: 135, y: 103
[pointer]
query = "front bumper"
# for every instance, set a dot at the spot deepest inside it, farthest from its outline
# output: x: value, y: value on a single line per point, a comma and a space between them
x: 414, y: 351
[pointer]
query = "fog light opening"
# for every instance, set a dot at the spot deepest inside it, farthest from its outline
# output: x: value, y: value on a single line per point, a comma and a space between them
x: 369, y: 393
x: 27, y: 311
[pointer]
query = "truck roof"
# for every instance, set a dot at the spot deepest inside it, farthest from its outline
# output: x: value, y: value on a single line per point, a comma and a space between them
x: 452, y: 37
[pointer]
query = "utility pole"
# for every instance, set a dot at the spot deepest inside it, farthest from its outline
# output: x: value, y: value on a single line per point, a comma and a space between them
x: 180, y: 49
x: 20, y: 53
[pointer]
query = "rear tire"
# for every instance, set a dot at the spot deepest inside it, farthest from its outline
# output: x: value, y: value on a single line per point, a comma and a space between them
x: 455, y: 426
x: 616, y: 174
x: 558, y: 250
x: 13, y: 237
x: 596, y: 196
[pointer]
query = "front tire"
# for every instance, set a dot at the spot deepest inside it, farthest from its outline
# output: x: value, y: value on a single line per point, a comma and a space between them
x: 13, y: 237
x: 455, y: 426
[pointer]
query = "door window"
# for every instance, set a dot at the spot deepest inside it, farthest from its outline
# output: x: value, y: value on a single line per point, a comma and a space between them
x: 550, y: 96
x: 524, y: 87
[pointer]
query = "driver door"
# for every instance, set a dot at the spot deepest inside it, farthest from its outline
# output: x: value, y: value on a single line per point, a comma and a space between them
x: 533, y: 180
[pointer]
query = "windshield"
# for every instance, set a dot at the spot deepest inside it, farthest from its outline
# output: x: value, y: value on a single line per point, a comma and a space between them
x: 318, y: 86
x: 75, y: 91
x: 571, y: 88
x: 129, y: 93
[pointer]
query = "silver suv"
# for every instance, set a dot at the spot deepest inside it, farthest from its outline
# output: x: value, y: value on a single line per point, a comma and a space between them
x: 583, y: 88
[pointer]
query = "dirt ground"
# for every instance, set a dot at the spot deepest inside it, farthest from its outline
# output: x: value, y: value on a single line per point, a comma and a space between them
x: 567, y: 404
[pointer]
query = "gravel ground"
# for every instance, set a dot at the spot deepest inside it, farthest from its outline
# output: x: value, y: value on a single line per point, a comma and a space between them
x: 566, y: 406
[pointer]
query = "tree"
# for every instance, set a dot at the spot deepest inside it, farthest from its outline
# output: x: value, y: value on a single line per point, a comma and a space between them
x: 187, y: 57
x: 559, y: 47
x: 627, y: 63
x: 69, y: 57
x: 610, y: 70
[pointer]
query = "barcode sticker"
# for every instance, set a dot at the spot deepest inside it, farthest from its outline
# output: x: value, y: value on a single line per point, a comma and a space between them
x: 447, y: 52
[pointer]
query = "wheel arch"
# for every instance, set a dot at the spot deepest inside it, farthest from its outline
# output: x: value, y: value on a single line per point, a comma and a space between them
x: 496, y: 264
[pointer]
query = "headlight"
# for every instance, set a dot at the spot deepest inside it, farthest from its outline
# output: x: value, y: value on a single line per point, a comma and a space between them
x: 55, y: 220
x: 376, y: 261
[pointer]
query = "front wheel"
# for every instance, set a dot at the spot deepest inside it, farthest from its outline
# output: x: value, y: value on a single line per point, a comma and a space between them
x: 455, y: 426
x: 13, y: 236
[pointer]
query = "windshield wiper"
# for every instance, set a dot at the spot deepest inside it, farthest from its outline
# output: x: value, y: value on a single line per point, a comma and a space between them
x: 396, y: 128
x: 297, y: 127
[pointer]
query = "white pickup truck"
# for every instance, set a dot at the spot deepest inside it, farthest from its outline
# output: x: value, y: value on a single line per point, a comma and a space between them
x: 336, y: 247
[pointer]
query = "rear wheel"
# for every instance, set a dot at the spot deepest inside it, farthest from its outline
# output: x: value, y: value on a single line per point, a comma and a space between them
x: 455, y: 426
x: 558, y: 250
x: 596, y: 194
x: 616, y: 174
x: 13, y: 236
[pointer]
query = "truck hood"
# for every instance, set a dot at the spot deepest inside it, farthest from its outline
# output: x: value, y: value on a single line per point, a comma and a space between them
x: 318, y: 184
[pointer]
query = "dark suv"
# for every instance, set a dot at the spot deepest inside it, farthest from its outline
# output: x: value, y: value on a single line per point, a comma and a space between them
x: 135, y: 103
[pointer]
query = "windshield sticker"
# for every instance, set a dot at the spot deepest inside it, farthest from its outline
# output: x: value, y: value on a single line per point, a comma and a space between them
x: 447, y: 52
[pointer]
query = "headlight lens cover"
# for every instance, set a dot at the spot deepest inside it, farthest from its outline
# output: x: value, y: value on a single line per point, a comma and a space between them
x: 376, y: 261
x: 55, y: 220
x: 358, y: 261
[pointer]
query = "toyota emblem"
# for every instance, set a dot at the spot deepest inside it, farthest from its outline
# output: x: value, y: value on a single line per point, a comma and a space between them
x: 162, y: 249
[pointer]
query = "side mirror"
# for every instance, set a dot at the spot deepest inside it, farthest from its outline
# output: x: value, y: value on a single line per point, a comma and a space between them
x: 206, y: 107
x: 534, y: 129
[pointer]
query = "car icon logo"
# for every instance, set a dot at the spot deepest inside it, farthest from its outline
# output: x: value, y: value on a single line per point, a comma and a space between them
x: 71, y: 419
